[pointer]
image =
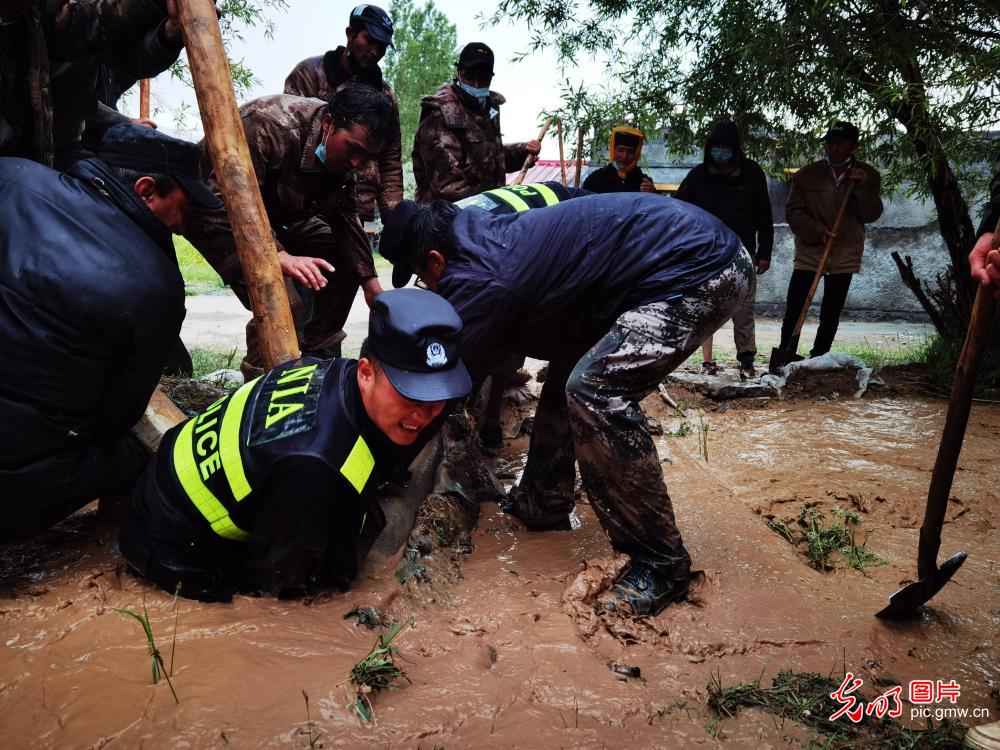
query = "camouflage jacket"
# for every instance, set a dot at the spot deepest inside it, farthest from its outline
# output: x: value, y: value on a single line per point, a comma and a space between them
x: 323, y: 76
x: 282, y: 133
x: 458, y: 150
x: 60, y: 30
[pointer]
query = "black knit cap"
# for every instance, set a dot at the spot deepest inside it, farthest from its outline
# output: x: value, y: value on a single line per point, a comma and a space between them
x: 148, y: 151
x: 415, y: 334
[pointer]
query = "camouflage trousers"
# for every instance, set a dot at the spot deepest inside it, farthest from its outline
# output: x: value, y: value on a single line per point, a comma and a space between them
x: 589, y: 411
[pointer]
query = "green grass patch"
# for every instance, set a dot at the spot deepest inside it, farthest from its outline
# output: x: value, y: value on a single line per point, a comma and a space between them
x: 941, y: 357
x: 804, y: 698
x: 376, y: 672
x: 205, y: 361
x: 826, y: 543
x: 883, y: 351
x: 199, y: 277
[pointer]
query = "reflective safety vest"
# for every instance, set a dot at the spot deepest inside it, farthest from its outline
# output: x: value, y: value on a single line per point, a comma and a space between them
x: 517, y: 198
x: 219, y: 457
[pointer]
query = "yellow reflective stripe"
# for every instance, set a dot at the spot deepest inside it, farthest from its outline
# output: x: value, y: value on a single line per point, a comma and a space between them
x: 547, y: 193
x: 202, y: 498
x: 359, y: 464
x: 510, y: 198
x: 229, y: 442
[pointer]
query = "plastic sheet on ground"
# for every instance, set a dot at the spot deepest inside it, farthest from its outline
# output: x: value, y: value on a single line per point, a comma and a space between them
x: 723, y: 387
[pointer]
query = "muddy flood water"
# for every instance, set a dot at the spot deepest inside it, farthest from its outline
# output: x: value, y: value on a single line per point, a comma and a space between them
x: 506, y: 650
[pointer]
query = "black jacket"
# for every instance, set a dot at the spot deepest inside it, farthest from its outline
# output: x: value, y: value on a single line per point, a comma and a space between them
x: 91, y: 302
x: 606, y: 180
x: 300, y: 509
x: 738, y: 198
x: 549, y: 282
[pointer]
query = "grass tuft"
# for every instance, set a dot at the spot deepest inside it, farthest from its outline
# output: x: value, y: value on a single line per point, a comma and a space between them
x: 377, y: 671
x: 804, y: 697
x: 157, y: 664
x: 827, y: 543
x: 199, y: 276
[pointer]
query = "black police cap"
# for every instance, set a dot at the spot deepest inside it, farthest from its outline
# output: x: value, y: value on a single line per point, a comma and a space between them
x: 396, y: 243
x: 415, y: 334
x: 476, y: 54
x: 377, y: 22
x: 148, y: 151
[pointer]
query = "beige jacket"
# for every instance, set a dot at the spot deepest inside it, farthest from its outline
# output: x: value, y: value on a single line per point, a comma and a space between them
x: 812, y: 208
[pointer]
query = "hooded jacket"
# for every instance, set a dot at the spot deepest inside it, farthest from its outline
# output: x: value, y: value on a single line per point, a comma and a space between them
x: 739, y: 198
x: 458, y: 149
x: 379, y: 180
x: 550, y: 282
x: 608, y: 179
x: 91, y: 302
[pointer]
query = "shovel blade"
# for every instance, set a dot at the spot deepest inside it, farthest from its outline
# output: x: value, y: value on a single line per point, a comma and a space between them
x: 779, y: 358
x: 909, y: 599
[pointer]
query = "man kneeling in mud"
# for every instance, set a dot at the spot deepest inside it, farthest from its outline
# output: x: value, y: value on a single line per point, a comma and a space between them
x: 272, y: 489
x: 615, y: 291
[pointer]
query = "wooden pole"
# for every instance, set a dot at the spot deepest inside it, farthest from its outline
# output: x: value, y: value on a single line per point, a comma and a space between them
x: 579, y: 159
x: 562, y: 162
x: 160, y: 416
x: 530, y: 158
x: 227, y: 146
x: 144, y: 97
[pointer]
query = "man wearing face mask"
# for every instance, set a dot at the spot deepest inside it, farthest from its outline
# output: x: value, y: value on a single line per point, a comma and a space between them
x: 458, y: 150
x: 622, y: 175
x: 304, y: 153
x: 369, y: 34
x: 733, y: 188
x: 817, y: 192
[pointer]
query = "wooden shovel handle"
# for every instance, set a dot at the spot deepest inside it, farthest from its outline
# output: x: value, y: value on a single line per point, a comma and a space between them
x: 144, y: 97
x: 954, y: 428
x: 562, y: 159
x: 822, y: 263
x: 530, y: 158
x: 227, y: 145
x: 579, y: 158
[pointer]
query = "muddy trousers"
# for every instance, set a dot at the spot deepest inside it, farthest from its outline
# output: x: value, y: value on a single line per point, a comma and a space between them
x: 592, y: 414
x: 319, y: 316
x: 835, y: 288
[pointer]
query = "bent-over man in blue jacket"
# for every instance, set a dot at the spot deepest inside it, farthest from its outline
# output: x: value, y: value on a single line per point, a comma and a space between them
x: 615, y: 291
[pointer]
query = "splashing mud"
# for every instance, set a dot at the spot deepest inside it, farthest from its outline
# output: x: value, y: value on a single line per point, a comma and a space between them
x: 507, y: 652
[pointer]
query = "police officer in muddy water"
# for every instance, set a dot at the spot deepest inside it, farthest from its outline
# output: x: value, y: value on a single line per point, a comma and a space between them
x: 91, y: 303
x: 272, y: 489
x: 616, y: 291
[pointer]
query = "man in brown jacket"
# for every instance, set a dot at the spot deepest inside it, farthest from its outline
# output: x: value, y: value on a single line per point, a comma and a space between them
x: 458, y: 150
x: 304, y: 152
x: 817, y: 192
x: 369, y: 34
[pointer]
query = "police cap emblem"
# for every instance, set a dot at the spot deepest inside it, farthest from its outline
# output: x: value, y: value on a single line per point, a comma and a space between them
x: 436, y: 355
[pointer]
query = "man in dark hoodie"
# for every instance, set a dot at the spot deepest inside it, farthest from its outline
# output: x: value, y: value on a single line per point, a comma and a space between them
x: 369, y: 34
x: 733, y: 188
x: 91, y: 302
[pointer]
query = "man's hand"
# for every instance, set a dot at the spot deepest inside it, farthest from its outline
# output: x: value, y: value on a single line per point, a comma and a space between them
x: 372, y: 288
x: 533, y: 147
x: 308, y: 271
x: 172, y: 28
x: 647, y: 186
x: 985, y: 263
x: 762, y: 266
x: 828, y: 235
x: 858, y: 175
x: 144, y: 122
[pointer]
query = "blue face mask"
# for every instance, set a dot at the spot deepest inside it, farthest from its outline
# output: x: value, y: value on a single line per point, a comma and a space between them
x: 721, y: 155
x: 838, y: 164
x: 321, y: 153
x: 483, y: 95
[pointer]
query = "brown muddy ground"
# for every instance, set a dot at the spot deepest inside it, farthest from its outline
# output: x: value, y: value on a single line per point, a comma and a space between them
x: 504, y: 652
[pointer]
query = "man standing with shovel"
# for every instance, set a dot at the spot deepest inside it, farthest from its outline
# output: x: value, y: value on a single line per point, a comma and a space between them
x: 818, y: 192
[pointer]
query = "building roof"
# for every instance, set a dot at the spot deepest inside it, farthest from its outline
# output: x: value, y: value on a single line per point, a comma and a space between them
x: 546, y: 170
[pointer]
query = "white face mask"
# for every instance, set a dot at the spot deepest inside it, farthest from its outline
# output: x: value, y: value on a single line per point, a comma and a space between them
x: 483, y: 95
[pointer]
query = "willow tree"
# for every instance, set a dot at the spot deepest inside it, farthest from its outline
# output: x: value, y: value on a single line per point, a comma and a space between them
x: 919, y: 76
